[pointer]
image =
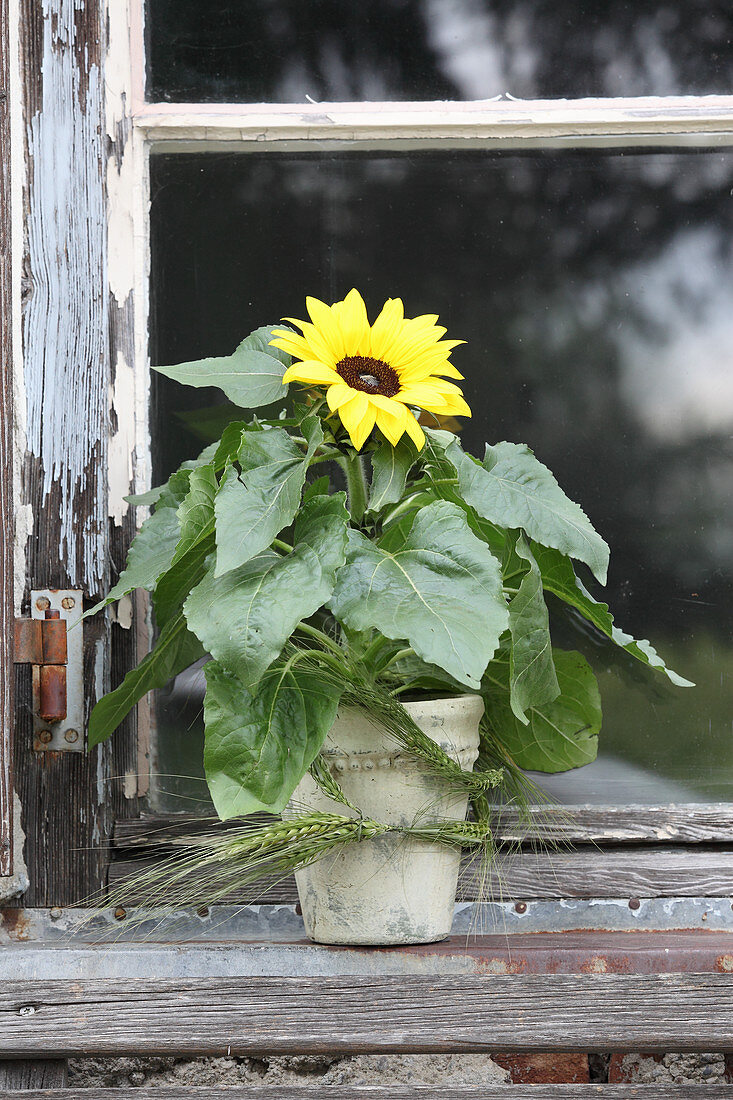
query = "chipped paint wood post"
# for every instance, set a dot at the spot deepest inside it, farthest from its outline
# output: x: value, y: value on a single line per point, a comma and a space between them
x: 6, y: 456
x: 67, y: 800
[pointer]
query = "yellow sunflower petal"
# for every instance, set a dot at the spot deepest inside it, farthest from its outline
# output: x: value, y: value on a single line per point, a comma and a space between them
x: 352, y: 412
x: 363, y: 430
x: 421, y: 394
x: 338, y: 394
x: 386, y: 326
x: 354, y: 323
x: 294, y: 344
x: 311, y: 371
x: 392, y: 427
x: 415, y: 432
x: 457, y: 406
x: 325, y: 322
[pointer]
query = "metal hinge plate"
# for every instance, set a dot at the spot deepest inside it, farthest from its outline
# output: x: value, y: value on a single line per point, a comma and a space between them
x: 56, y: 655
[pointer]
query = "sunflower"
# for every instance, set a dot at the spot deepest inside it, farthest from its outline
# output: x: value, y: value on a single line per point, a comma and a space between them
x: 374, y: 374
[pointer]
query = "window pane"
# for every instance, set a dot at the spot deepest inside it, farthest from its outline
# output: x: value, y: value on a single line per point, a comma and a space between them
x: 594, y: 291
x: 285, y: 51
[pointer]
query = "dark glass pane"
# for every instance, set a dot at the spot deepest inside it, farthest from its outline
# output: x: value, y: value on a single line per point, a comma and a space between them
x: 594, y: 291
x: 286, y: 51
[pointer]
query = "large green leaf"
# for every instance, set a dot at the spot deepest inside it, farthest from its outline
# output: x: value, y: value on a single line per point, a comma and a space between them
x: 513, y: 489
x: 154, y: 546
x: 441, y: 591
x: 196, y: 510
x: 175, y: 649
x: 253, y: 507
x: 558, y: 577
x: 245, y: 617
x: 192, y: 554
x: 390, y: 467
x: 259, y: 747
x: 532, y: 675
x: 250, y: 377
x: 561, y: 734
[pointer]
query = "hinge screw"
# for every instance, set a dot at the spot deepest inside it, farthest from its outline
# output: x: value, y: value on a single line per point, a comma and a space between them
x: 634, y: 903
x: 520, y: 907
x: 43, y: 603
x: 45, y: 736
x: 68, y: 602
x: 55, y: 913
x: 71, y: 736
x: 120, y: 913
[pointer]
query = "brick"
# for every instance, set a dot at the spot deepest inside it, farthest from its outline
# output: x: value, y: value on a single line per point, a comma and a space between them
x: 545, y: 1069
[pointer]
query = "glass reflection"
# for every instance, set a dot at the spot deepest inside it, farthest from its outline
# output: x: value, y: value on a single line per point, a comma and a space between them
x: 594, y: 291
x: 285, y: 51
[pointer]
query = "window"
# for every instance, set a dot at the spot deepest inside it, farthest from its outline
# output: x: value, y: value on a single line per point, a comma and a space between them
x: 581, y: 245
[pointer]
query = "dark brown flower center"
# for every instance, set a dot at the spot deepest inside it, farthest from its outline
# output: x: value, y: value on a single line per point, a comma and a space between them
x: 361, y: 372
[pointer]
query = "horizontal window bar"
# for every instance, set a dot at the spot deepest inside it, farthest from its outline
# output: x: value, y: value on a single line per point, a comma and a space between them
x: 683, y: 120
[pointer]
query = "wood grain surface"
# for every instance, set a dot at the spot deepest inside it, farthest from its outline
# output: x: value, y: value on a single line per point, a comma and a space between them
x: 283, y: 1015
x: 613, y: 825
x: 37, y: 1073
x: 653, y: 871
x: 6, y: 457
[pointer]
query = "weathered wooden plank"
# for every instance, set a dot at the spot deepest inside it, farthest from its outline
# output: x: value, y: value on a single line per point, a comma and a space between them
x: 585, y: 873
x: 36, y: 1073
x: 6, y: 456
x: 682, y: 824
x: 66, y: 383
x: 392, y: 1092
x: 283, y: 1015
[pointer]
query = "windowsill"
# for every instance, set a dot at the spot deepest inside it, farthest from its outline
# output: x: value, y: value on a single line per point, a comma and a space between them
x: 269, y: 940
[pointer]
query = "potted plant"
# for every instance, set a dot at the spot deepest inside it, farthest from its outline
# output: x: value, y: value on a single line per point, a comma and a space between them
x: 371, y: 601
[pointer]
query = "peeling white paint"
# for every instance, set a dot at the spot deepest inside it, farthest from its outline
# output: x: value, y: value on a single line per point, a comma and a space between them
x: 65, y: 330
x: 129, y: 786
x: 122, y: 441
x: 121, y: 612
x: 127, y: 232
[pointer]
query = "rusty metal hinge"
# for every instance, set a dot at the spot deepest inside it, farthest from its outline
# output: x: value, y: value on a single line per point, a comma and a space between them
x: 55, y: 653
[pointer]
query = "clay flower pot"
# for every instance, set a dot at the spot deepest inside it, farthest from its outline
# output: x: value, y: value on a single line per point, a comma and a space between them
x: 392, y: 889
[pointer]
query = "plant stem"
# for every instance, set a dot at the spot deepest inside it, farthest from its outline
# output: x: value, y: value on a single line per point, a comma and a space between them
x: 396, y: 657
x: 314, y: 632
x: 356, y: 486
x: 280, y: 545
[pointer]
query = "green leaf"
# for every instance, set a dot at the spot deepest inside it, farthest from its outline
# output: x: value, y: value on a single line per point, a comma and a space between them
x: 441, y: 591
x: 174, y: 651
x: 259, y: 747
x: 410, y: 672
x: 254, y: 506
x: 558, y: 577
x: 532, y: 675
x: 152, y: 549
x: 196, y: 510
x: 245, y: 617
x: 390, y: 467
x: 513, y: 489
x: 250, y: 377
x: 561, y: 734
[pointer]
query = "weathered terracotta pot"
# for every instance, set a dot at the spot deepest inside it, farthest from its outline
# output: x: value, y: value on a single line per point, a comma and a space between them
x: 390, y: 889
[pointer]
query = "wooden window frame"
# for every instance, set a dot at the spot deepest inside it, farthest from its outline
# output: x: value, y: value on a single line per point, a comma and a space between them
x: 123, y: 131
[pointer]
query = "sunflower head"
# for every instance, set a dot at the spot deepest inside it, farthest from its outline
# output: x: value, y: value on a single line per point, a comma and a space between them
x: 374, y: 374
